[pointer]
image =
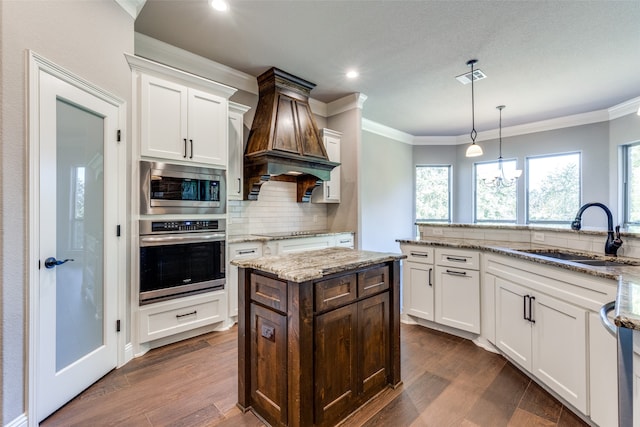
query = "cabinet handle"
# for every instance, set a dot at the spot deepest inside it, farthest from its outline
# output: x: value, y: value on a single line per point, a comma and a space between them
x: 247, y: 251
x: 456, y: 273
x: 430, y: 282
x: 185, y: 148
x: 419, y: 254
x: 328, y: 191
x: 178, y: 316
x: 191, y: 141
x: 239, y: 189
x: 345, y: 241
x: 531, y: 319
x: 454, y: 259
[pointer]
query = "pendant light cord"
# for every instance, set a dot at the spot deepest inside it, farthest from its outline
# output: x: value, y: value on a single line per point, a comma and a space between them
x: 473, y: 117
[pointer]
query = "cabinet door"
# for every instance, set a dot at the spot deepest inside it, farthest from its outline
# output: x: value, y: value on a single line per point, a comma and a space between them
x: 458, y: 298
x: 163, y: 127
x: 268, y: 371
x: 559, y: 348
x: 332, y: 187
x: 236, y: 152
x: 335, y: 364
x: 373, y: 338
x: 513, y: 331
x: 418, y: 290
x: 207, y: 128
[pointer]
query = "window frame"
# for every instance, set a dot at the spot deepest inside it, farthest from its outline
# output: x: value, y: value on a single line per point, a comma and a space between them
x: 449, y: 193
x: 626, y: 207
x: 527, y: 174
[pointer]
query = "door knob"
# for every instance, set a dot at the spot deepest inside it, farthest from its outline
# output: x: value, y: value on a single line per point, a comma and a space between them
x: 52, y: 262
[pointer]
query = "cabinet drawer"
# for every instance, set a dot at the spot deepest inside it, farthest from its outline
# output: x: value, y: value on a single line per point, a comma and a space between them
x: 245, y: 250
x: 460, y: 259
x: 419, y: 254
x: 270, y: 292
x: 345, y: 241
x: 335, y: 292
x: 373, y: 281
x: 171, y: 317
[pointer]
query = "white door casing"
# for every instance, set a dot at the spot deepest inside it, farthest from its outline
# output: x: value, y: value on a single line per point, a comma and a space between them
x: 50, y: 87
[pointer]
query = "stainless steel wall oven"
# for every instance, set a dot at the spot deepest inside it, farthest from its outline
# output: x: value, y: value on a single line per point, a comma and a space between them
x: 168, y: 188
x: 180, y: 258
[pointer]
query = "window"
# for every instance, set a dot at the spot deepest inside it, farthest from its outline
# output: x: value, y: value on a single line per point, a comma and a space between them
x: 553, y: 188
x: 494, y: 204
x: 433, y: 193
x: 631, y: 159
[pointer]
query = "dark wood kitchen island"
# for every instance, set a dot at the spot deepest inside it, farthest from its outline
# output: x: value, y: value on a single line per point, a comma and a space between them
x: 318, y: 333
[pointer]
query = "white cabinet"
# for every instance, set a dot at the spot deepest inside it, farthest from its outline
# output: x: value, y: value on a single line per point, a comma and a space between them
x: 235, y: 172
x: 457, y: 295
x: 329, y: 191
x: 244, y: 250
x: 603, y: 374
x: 417, y: 289
x: 178, y: 122
x: 546, y: 336
x: 166, y: 318
x: 345, y: 240
x: 298, y: 244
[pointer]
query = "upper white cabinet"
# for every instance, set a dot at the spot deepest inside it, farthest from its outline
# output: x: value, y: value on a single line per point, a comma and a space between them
x: 236, y: 150
x: 329, y: 191
x: 180, y: 117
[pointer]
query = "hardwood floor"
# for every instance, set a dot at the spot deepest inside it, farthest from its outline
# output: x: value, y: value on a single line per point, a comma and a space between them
x: 447, y: 381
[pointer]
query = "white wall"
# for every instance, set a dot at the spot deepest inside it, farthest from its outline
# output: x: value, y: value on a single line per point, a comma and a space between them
x: 386, y: 193
x: 89, y: 39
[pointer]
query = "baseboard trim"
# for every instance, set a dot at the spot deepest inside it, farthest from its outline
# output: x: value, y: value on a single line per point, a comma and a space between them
x: 20, y: 421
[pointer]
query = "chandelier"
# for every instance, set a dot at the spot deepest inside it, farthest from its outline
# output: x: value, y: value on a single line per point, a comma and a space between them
x: 501, y: 177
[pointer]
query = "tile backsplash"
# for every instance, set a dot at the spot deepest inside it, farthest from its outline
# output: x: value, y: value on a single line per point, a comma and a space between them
x: 276, y: 210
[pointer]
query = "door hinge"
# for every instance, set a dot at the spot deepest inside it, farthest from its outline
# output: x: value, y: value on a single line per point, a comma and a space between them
x: 118, y: 231
x: 118, y: 325
x: 118, y: 135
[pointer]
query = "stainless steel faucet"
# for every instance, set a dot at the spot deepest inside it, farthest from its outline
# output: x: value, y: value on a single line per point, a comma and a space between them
x: 613, y: 241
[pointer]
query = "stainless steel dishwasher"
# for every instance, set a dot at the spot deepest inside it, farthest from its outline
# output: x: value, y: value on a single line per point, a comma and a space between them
x: 624, y: 338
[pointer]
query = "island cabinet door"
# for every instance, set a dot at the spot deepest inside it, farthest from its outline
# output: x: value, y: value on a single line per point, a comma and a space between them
x: 335, y: 364
x: 373, y: 338
x: 268, y: 372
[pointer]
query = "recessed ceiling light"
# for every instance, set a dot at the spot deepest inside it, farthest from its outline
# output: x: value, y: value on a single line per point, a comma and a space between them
x: 352, y: 74
x: 220, y: 5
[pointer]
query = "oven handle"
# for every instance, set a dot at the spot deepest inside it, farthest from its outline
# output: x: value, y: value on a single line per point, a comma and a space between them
x: 180, y: 239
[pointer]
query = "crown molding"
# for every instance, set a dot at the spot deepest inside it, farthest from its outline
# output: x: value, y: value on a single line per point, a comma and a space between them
x: 386, y: 131
x: 629, y: 107
x: 181, y: 59
x: 346, y: 103
x: 132, y: 7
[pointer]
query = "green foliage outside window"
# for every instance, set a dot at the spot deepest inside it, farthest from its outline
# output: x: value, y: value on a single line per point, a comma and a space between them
x: 433, y: 193
x: 553, y: 188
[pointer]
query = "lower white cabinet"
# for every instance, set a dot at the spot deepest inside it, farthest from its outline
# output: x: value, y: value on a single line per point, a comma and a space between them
x: 418, y: 282
x: 244, y: 250
x: 171, y: 317
x: 457, y: 295
x: 546, y: 336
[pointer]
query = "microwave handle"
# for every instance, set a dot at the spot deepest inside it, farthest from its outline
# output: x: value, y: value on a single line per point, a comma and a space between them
x: 180, y: 239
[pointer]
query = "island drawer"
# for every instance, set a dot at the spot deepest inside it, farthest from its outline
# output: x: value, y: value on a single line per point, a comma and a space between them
x: 269, y: 292
x: 458, y: 258
x: 373, y: 281
x: 335, y: 292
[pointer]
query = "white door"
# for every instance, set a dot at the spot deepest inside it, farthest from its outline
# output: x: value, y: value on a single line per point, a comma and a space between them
x: 78, y: 210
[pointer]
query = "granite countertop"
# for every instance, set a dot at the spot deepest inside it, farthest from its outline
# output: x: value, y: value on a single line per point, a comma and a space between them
x: 241, y: 238
x: 627, y: 275
x: 309, y: 265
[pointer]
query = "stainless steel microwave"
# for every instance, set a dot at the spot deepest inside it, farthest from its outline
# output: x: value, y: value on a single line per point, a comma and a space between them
x: 168, y: 188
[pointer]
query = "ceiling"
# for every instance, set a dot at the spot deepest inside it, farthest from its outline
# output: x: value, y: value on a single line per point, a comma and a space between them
x: 543, y: 59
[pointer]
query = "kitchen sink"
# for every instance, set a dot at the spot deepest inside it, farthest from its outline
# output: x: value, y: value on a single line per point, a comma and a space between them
x: 581, y: 259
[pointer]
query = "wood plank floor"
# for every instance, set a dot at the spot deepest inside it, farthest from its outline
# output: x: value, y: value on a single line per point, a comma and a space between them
x: 447, y: 381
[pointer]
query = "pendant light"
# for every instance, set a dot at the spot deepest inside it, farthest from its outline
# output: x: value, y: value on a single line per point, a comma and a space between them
x: 474, y: 150
x: 500, y: 178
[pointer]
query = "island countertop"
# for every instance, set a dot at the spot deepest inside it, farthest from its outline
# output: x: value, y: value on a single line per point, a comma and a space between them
x: 309, y: 265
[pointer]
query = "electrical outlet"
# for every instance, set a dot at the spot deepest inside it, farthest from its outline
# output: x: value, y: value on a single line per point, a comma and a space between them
x: 538, y: 237
x: 315, y: 218
x: 437, y: 231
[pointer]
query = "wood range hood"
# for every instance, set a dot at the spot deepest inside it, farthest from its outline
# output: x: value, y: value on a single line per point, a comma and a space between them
x: 284, y: 143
